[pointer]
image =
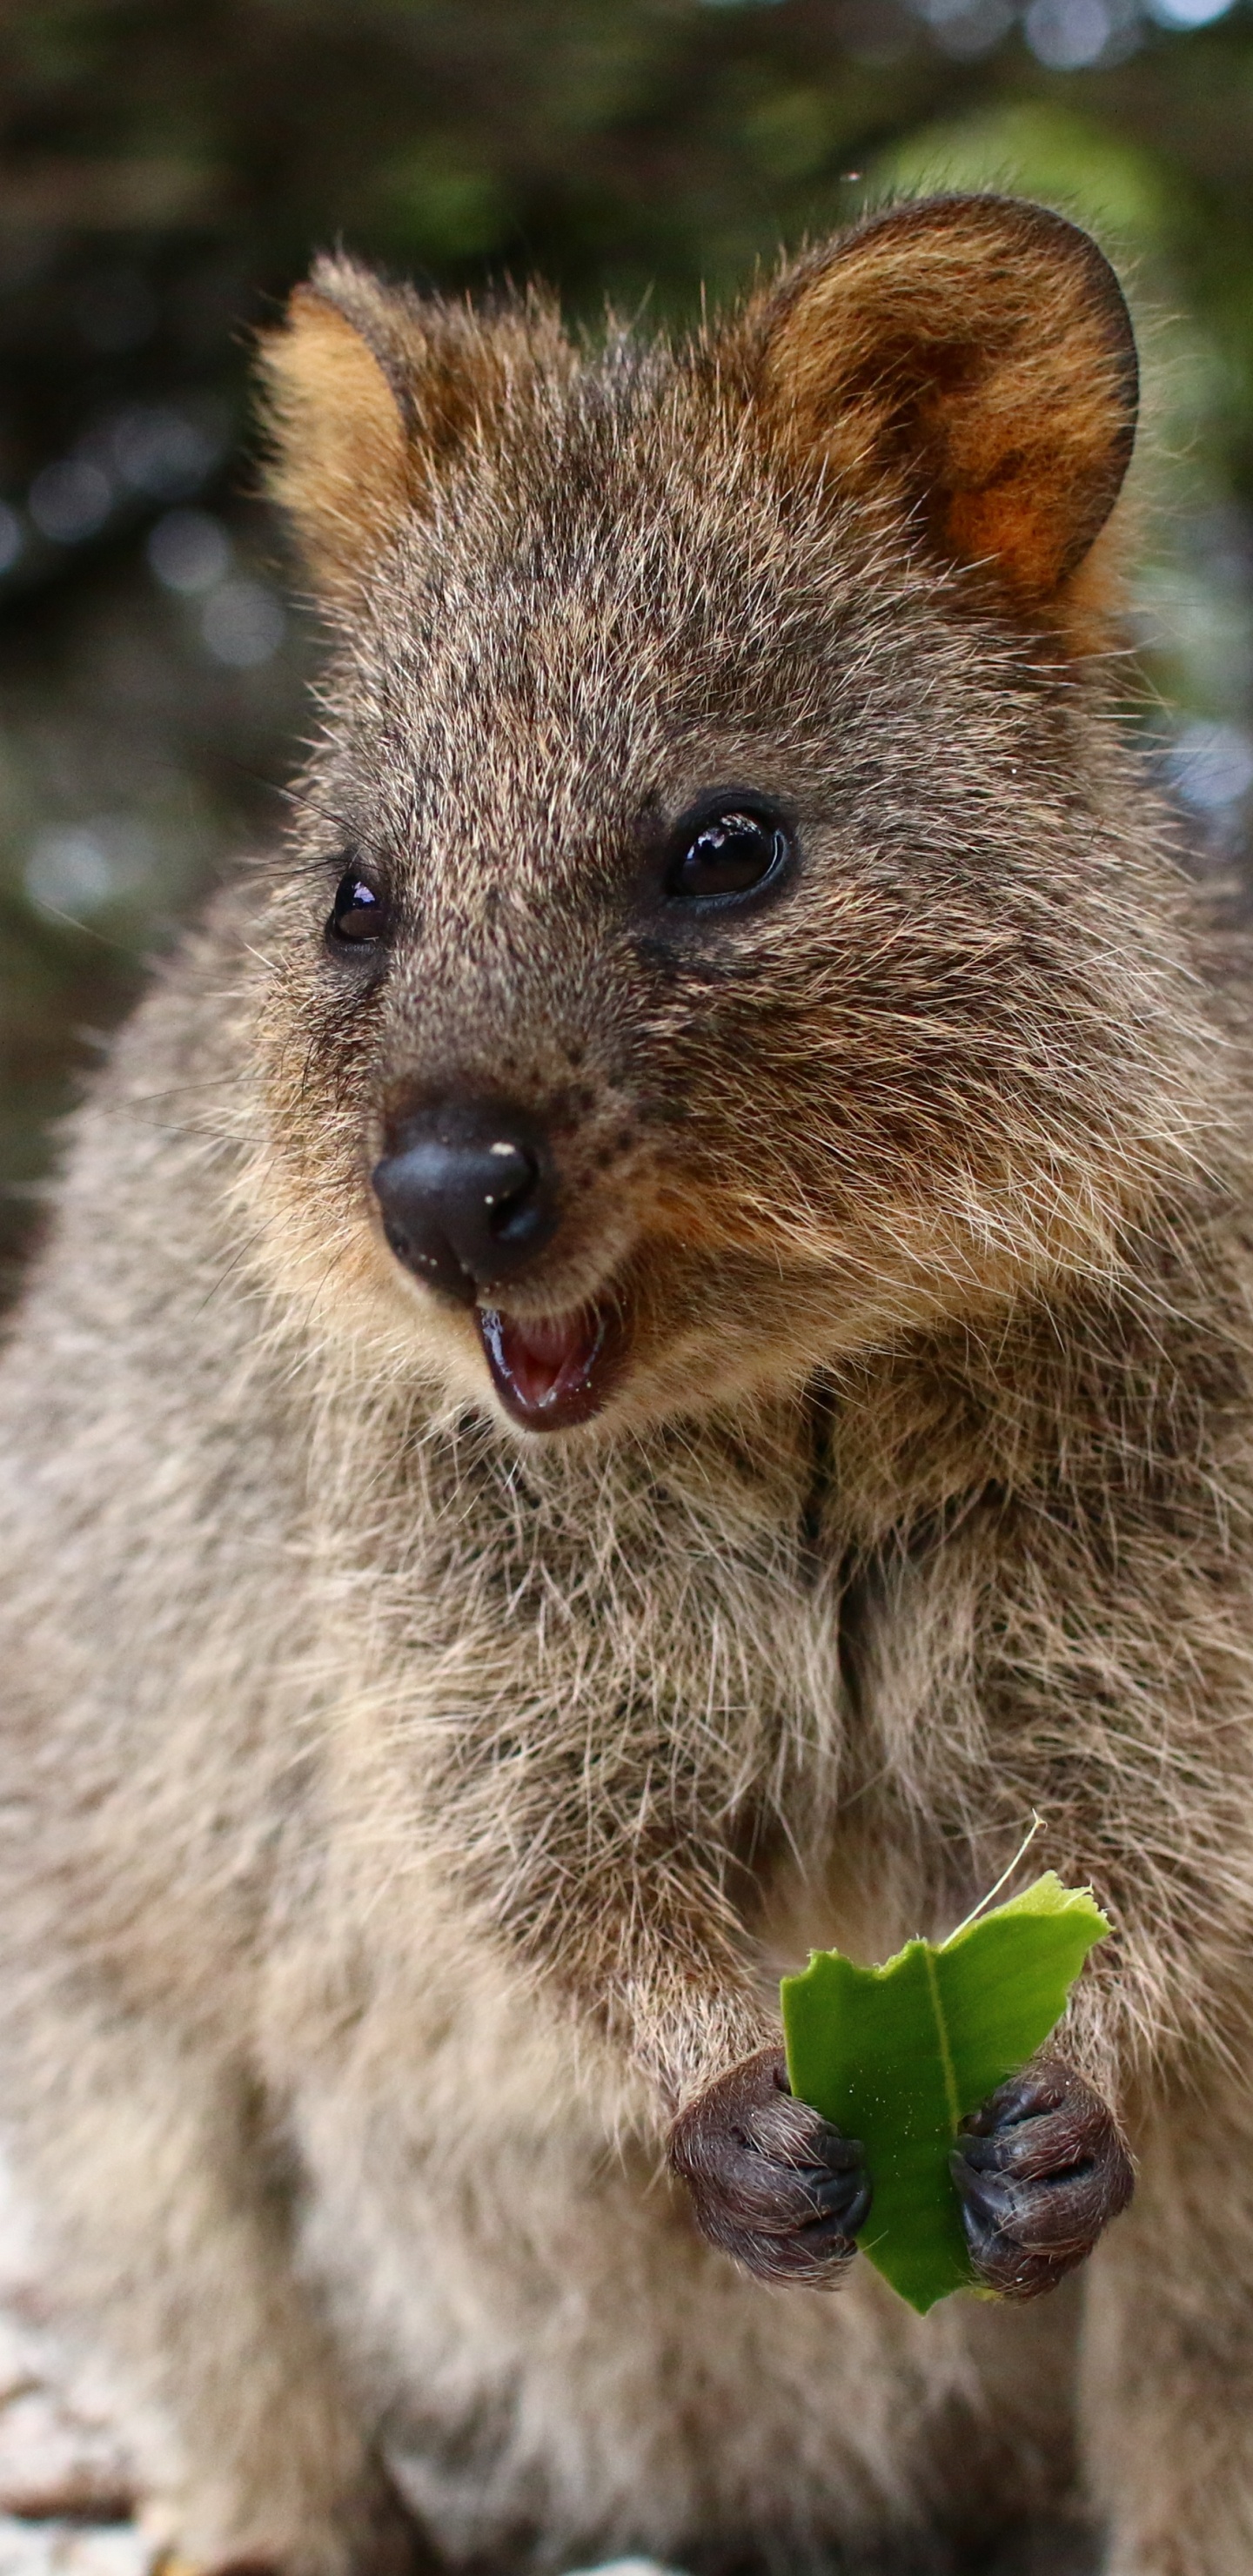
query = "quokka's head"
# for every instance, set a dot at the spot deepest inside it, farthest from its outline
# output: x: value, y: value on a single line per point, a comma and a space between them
x: 716, y: 937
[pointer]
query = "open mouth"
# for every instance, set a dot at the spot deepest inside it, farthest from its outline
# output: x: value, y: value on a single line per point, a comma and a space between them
x: 552, y: 1371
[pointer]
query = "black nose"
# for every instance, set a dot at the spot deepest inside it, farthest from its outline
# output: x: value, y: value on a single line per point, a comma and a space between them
x: 468, y: 1195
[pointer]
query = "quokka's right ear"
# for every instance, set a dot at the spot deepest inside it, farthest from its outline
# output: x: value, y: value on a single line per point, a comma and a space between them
x: 368, y: 391
x: 971, y: 358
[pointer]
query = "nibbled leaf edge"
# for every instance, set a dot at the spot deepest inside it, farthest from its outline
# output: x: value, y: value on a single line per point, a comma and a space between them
x: 1047, y: 1898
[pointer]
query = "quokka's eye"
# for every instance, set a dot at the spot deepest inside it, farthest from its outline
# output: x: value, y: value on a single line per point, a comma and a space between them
x: 721, y: 855
x: 358, y: 914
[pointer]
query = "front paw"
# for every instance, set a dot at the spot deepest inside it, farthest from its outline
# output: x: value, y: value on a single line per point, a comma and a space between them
x: 771, y: 2182
x: 1040, y: 2170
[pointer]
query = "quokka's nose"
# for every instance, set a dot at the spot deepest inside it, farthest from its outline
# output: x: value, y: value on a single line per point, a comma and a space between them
x: 468, y: 1196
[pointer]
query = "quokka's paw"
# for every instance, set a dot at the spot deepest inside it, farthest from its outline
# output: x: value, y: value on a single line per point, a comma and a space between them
x: 771, y: 2182
x: 1040, y: 2170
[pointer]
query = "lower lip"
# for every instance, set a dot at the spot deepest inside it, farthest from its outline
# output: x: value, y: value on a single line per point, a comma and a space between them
x: 552, y: 1375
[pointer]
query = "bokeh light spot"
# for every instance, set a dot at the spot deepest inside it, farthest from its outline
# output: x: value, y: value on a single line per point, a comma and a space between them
x: 243, y: 624
x: 189, y: 551
x: 1211, y: 765
x: 1187, y: 13
x: 1068, y: 34
x: 70, y: 872
x: 70, y: 500
x: 159, y: 450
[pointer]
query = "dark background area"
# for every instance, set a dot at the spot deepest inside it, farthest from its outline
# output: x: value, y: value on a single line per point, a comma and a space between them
x: 168, y: 166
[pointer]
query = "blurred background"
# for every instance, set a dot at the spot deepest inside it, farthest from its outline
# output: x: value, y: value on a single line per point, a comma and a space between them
x: 166, y: 168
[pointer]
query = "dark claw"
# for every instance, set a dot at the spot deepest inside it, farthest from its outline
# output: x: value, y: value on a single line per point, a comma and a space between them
x: 1040, y: 2169
x: 771, y: 2183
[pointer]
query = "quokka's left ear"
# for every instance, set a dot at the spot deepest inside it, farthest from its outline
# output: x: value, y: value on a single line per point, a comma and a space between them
x: 372, y: 394
x: 975, y: 357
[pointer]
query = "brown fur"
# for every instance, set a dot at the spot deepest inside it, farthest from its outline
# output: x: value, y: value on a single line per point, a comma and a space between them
x: 1005, y: 413
x: 369, y: 391
x: 404, y: 1815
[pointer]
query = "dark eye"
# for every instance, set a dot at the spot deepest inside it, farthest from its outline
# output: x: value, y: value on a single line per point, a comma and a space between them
x: 358, y: 914
x: 727, y: 854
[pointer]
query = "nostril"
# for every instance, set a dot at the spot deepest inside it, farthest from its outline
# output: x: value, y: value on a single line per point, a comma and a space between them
x: 514, y: 1179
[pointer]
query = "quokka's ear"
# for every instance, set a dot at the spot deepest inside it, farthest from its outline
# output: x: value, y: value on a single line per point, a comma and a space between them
x: 974, y: 355
x: 368, y: 389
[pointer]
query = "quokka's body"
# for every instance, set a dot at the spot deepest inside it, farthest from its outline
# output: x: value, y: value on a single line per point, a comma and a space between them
x: 460, y: 1642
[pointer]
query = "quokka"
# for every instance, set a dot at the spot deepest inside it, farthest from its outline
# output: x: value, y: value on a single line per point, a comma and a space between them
x: 645, y: 1346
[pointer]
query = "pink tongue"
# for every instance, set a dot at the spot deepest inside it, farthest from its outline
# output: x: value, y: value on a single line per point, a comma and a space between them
x: 543, y: 1360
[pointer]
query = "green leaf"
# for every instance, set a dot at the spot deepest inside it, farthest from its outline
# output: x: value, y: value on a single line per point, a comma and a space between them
x: 899, y: 2056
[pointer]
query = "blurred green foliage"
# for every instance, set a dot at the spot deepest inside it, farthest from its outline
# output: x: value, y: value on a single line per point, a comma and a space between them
x: 166, y: 168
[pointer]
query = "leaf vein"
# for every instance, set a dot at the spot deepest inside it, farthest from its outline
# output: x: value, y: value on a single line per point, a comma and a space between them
x: 946, y: 2054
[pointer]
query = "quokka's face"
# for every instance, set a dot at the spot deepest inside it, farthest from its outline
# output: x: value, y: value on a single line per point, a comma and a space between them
x: 702, y: 957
